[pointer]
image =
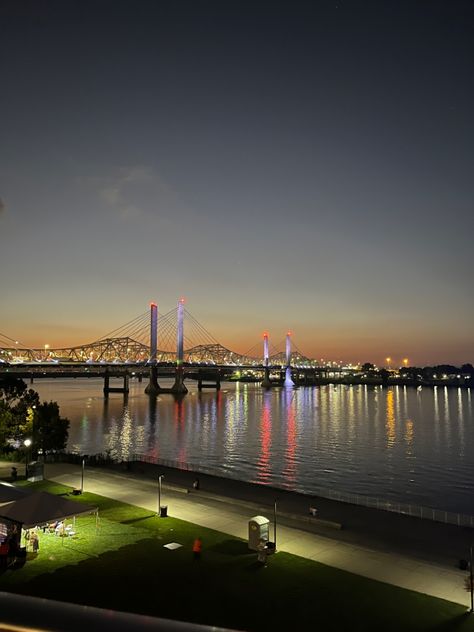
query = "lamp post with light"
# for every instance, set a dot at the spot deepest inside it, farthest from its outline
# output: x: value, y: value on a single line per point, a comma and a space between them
x: 27, y: 444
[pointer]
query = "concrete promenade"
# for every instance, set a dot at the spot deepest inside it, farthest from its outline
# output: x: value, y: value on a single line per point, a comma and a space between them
x: 406, y: 552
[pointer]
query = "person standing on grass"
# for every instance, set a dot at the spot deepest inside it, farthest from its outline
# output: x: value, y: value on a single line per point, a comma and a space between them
x: 35, y: 542
x: 197, y: 548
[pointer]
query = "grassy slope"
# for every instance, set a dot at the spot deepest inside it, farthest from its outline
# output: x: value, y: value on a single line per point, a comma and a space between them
x: 125, y: 567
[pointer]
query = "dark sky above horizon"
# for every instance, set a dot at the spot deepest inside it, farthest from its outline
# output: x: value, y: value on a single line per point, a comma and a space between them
x: 302, y: 165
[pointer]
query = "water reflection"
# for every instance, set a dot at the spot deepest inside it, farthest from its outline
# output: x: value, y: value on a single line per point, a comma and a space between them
x: 361, y: 439
x: 390, y: 419
x: 289, y: 471
x: 263, y: 464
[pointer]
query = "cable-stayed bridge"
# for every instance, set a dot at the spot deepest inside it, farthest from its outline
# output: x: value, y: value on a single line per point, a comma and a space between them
x: 174, y: 345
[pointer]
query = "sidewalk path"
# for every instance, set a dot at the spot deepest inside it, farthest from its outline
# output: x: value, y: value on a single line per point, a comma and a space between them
x: 343, y: 549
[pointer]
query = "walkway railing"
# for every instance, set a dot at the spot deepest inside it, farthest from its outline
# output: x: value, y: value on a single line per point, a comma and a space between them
x: 425, y: 513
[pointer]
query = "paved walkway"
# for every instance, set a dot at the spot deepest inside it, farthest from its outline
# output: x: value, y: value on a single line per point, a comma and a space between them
x: 231, y: 514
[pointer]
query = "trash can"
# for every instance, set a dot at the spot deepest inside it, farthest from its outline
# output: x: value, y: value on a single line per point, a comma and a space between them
x: 163, y: 511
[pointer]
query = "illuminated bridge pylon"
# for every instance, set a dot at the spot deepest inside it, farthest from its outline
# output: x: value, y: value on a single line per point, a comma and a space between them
x: 153, y: 387
x: 179, y: 387
x: 266, y: 383
x: 288, y: 378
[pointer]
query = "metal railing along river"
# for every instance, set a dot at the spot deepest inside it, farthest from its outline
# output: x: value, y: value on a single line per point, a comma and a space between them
x: 416, y: 511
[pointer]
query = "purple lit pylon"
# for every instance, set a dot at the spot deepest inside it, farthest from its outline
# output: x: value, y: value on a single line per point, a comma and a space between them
x: 153, y: 387
x: 179, y: 386
x: 266, y: 383
x: 288, y: 379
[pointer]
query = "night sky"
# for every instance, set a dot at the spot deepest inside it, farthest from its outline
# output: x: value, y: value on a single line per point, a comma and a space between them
x: 280, y: 164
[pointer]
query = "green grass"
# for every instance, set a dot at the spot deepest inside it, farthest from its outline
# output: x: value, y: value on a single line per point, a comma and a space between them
x: 125, y: 567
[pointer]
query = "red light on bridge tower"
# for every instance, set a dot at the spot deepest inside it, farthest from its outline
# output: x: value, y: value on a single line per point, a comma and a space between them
x: 182, y: 300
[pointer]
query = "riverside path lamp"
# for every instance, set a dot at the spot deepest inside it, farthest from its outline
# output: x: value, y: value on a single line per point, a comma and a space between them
x: 82, y: 475
x: 160, y: 478
x: 27, y: 444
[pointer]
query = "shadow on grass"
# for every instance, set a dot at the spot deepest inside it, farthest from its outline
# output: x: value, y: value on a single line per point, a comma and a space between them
x: 141, y: 519
x: 462, y: 621
x: 231, y: 547
x: 255, y: 567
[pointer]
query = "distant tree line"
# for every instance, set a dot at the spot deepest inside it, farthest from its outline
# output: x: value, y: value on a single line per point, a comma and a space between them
x: 23, y: 416
x: 427, y: 373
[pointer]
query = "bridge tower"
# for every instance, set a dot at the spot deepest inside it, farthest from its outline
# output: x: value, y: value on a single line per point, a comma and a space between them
x: 179, y: 386
x: 288, y: 379
x: 266, y: 383
x: 153, y: 387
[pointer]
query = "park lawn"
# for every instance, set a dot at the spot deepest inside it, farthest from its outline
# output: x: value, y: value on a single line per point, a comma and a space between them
x: 226, y: 587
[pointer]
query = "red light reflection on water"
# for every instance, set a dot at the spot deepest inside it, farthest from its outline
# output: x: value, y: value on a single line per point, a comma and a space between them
x: 290, y: 468
x: 179, y: 418
x: 263, y: 463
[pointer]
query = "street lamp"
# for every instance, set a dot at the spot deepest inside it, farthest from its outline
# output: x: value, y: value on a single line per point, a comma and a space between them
x: 160, y: 477
x: 388, y: 361
x: 275, y: 524
x: 82, y: 475
x: 27, y: 444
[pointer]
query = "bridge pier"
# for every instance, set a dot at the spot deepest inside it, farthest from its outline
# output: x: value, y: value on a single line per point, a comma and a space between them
x: 116, y: 389
x: 205, y: 380
x: 266, y: 382
x: 179, y: 386
x: 153, y: 388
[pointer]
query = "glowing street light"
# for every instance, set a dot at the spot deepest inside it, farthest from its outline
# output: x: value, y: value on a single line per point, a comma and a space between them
x: 405, y: 362
x: 46, y: 347
x: 27, y: 444
x: 388, y: 360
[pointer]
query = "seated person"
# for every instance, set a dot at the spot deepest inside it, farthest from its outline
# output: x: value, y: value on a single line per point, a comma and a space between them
x: 59, y: 530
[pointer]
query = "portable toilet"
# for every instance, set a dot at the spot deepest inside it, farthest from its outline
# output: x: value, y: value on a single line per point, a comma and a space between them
x: 258, y: 530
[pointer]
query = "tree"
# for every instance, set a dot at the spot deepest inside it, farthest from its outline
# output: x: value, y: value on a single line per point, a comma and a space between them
x: 384, y: 374
x: 50, y: 430
x: 17, y: 404
x: 23, y: 416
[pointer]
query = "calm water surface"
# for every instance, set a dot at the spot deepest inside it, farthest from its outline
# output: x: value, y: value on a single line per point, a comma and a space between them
x: 392, y: 443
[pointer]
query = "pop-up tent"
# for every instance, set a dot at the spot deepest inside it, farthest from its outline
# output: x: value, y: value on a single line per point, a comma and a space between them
x: 8, y: 493
x: 41, y: 507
